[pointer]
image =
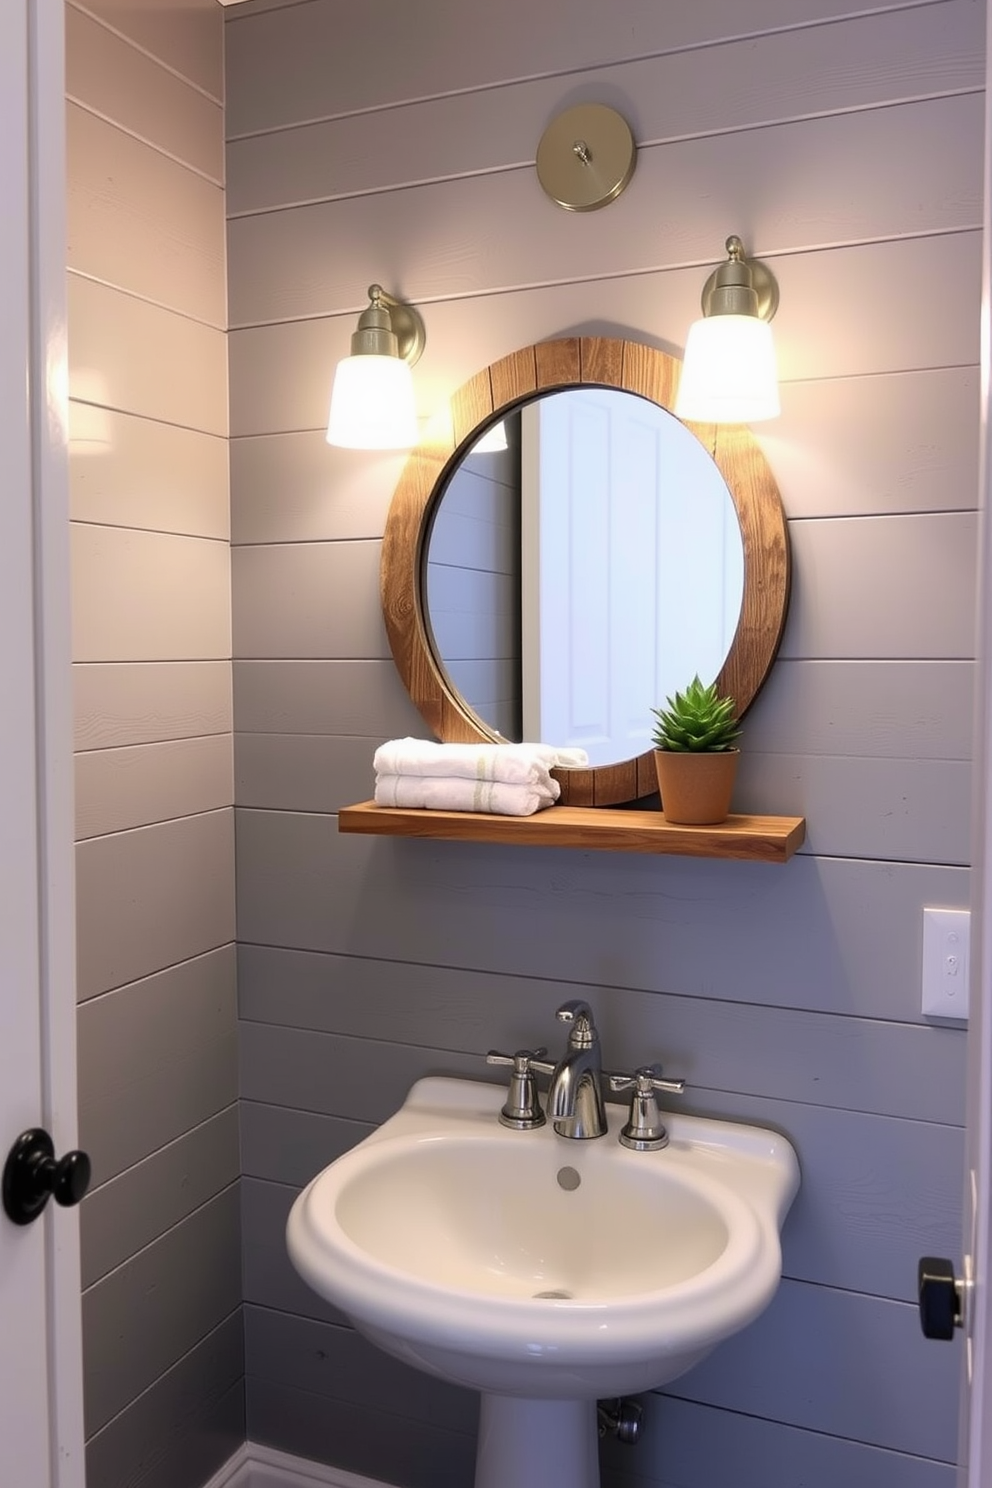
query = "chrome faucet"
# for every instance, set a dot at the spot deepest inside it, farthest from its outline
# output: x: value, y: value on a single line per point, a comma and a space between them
x: 575, y: 1096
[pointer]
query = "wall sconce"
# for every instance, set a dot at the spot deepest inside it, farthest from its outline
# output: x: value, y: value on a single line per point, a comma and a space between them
x: 372, y: 402
x: 729, y: 374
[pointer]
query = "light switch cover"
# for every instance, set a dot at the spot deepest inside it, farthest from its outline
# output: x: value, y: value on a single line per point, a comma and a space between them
x: 946, y: 963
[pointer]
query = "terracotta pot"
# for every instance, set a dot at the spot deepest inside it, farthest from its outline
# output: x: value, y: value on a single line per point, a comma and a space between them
x: 696, y: 788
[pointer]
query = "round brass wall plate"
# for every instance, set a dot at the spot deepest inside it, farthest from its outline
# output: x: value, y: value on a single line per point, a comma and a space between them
x: 586, y: 157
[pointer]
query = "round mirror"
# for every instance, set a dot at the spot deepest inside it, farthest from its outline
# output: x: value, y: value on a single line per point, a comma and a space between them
x: 562, y: 575
x: 584, y: 561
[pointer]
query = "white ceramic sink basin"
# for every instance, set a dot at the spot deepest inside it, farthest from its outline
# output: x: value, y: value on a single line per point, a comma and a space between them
x: 527, y: 1264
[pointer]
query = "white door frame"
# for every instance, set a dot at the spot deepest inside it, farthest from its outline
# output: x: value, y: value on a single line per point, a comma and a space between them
x: 43, y: 1402
x: 55, y: 723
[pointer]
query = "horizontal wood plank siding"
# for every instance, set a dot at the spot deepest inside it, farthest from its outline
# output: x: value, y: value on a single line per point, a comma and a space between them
x: 176, y: 880
x: 118, y: 789
x: 310, y: 1377
x: 288, y: 1351
x: 163, y: 1351
x: 137, y: 472
x: 277, y: 1061
x: 128, y: 1212
x: 112, y: 78
x: 185, y: 39
x: 907, y: 446
x: 185, y: 1287
x: 844, y: 143
x: 170, y: 251
x: 280, y: 373
x: 845, y: 930
x: 323, y: 1359
x: 184, y: 382
x: 361, y: 1440
x: 279, y: 272
x: 305, y: 73
x: 706, y: 91
x: 172, y: 1432
x: 844, y: 1384
x: 122, y: 703
x: 169, y: 1083
x: 684, y: 1442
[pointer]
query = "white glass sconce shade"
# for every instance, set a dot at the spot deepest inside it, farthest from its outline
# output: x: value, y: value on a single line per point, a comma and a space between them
x: 729, y: 374
x: 372, y: 404
x: 372, y: 399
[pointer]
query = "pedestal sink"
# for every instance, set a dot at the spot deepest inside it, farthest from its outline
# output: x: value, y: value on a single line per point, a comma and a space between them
x: 545, y: 1272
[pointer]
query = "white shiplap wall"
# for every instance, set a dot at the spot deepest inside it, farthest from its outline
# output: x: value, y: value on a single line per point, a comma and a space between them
x: 843, y: 141
x: 162, y: 1333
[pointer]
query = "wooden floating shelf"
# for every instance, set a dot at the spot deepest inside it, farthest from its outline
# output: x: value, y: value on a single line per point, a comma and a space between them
x: 764, y: 839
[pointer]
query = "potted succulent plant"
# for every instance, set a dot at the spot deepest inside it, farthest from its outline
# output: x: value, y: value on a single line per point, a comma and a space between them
x: 696, y: 754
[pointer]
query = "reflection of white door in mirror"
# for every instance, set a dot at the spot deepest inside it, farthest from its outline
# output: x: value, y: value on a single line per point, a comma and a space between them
x: 632, y: 568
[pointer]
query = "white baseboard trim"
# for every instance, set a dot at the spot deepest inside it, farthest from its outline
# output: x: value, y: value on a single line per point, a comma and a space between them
x: 253, y: 1466
x: 231, y: 1475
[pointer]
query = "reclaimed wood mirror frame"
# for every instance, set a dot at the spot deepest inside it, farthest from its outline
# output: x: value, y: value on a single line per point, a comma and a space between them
x: 554, y: 366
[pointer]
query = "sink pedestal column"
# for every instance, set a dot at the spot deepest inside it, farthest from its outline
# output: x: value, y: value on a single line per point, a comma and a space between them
x: 537, y: 1443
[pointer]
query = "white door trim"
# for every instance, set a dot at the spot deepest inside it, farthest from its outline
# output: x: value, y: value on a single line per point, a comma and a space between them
x: 56, y: 889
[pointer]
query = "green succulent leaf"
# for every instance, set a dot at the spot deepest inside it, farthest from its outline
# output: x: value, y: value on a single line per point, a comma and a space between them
x: 697, y: 719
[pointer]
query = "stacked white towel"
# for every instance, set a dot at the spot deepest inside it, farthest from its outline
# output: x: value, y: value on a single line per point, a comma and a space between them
x: 500, y: 779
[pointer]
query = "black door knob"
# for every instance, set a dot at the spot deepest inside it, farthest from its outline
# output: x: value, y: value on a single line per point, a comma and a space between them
x: 940, y: 1298
x: 31, y: 1176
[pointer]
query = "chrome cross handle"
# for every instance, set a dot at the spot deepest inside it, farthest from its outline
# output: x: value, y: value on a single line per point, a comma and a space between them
x: 522, y: 1110
x: 645, y: 1131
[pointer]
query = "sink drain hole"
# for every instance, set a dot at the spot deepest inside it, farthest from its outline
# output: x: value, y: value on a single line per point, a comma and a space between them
x: 568, y: 1179
x: 559, y: 1295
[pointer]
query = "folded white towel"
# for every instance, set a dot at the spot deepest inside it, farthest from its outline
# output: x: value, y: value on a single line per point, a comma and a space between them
x: 567, y: 759
x: 511, y: 764
x: 451, y: 793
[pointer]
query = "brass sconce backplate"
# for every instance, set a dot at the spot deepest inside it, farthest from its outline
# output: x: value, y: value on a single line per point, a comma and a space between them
x: 586, y: 157
x: 763, y: 282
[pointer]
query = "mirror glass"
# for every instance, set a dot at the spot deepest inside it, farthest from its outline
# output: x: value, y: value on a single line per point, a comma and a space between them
x: 583, y: 560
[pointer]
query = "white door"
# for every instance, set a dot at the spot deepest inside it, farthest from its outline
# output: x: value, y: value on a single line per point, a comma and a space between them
x: 40, y: 1368
x: 628, y: 589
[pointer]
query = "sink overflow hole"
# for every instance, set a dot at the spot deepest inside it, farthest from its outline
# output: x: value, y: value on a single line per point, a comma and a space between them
x: 554, y: 1296
x: 568, y: 1179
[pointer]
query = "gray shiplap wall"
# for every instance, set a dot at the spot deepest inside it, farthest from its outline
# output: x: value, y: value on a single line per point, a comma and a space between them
x: 843, y: 141
x: 162, y: 1326
x: 473, y: 584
